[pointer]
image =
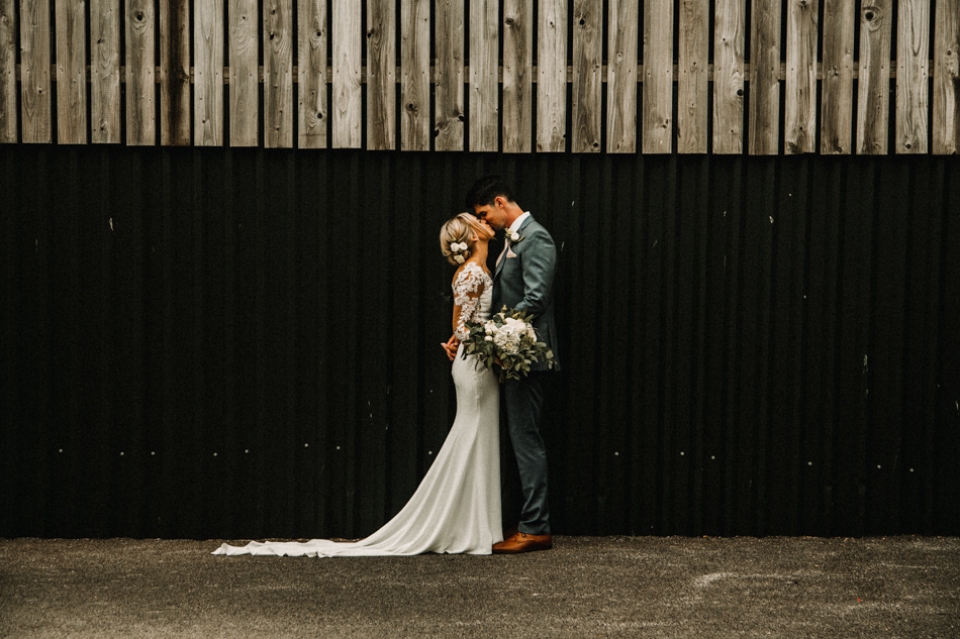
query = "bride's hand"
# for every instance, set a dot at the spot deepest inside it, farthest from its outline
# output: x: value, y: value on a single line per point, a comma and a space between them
x: 451, y: 346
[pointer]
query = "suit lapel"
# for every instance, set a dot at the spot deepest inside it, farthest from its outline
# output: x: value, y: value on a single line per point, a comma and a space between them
x: 503, y: 255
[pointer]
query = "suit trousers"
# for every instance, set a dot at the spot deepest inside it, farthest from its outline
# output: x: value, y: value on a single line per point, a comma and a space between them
x: 523, y: 403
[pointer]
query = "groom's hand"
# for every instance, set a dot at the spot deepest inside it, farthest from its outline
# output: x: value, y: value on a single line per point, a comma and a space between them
x: 451, y: 346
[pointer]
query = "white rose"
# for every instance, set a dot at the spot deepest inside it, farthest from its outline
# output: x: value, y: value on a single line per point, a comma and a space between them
x: 516, y: 324
x: 458, y: 259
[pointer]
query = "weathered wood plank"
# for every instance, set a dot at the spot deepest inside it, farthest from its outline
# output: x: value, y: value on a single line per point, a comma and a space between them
x: 71, y: 24
x: 8, y: 72
x: 873, y: 114
x: 448, y: 105
x: 728, y: 66
x: 913, y: 52
x: 381, y: 75
x: 243, y: 43
x: 764, y: 108
x: 105, y: 71
x: 347, y: 31
x: 693, y: 83
x: 208, y: 73
x: 946, y: 80
x: 35, y: 71
x: 415, y: 75
x: 586, y: 103
x: 800, y: 135
x: 312, y: 74
x: 552, y: 76
x: 278, y: 111
x: 657, y: 77
x: 484, y: 113
x: 517, y: 76
x: 624, y: 43
x: 175, y: 72
x: 836, y: 107
x: 141, y: 73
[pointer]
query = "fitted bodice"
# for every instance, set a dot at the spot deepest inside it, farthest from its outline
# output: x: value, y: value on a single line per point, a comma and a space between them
x: 473, y: 293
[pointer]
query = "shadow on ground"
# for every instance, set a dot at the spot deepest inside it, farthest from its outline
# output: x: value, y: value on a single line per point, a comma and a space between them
x: 586, y: 587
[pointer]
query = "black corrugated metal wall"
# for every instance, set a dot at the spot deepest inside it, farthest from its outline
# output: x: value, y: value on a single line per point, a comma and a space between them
x: 245, y: 343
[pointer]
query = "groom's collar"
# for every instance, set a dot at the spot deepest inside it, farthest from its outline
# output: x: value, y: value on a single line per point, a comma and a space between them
x: 517, y: 223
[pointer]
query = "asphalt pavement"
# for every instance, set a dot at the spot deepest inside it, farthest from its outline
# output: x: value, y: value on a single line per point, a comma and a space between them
x: 661, y: 587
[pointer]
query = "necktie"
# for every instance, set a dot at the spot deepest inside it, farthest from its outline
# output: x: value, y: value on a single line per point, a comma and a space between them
x: 506, y: 245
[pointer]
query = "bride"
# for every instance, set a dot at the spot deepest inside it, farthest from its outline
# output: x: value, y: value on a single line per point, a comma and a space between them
x: 456, y: 508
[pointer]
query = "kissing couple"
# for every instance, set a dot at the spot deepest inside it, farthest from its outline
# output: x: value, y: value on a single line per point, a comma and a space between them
x: 457, y: 507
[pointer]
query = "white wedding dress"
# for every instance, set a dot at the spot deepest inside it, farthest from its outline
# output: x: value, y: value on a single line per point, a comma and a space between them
x: 456, y: 508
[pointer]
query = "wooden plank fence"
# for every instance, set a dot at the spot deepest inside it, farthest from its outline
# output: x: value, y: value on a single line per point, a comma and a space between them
x: 516, y: 76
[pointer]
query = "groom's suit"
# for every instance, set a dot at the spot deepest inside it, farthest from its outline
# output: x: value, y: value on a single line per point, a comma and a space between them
x: 523, y: 280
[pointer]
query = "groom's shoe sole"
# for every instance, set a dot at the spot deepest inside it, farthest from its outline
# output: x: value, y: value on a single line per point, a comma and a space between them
x: 522, y: 542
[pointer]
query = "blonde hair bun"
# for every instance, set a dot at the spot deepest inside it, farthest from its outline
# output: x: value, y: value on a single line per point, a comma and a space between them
x: 455, y: 236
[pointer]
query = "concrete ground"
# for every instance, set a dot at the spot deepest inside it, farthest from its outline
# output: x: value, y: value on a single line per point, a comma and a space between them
x: 585, y: 587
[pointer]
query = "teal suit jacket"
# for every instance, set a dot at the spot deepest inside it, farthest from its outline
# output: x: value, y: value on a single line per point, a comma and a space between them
x: 524, y: 278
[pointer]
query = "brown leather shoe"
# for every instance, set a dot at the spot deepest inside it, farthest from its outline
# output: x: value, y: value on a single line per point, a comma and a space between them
x: 522, y: 542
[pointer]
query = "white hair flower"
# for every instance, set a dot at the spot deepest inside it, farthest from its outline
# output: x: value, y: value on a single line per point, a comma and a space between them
x: 459, y: 259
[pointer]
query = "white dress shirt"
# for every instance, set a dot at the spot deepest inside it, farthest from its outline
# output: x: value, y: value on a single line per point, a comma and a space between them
x: 517, y: 223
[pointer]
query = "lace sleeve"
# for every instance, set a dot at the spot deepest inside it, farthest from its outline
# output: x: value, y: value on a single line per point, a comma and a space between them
x: 467, y: 288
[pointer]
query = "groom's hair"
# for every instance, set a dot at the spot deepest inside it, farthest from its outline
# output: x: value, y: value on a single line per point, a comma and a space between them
x: 486, y: 189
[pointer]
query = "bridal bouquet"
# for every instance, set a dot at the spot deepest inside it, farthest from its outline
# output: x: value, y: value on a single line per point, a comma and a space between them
x: 508, y: 340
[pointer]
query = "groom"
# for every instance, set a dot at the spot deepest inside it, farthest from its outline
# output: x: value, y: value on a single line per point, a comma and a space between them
x: 523, y: 281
